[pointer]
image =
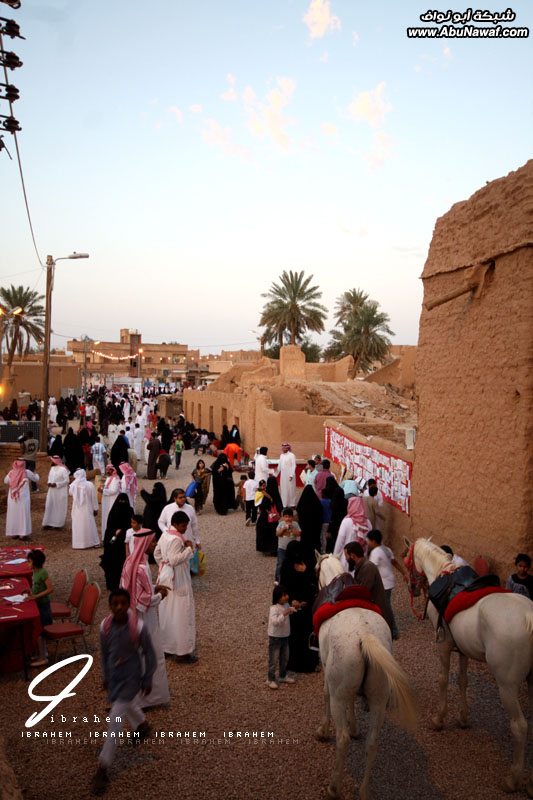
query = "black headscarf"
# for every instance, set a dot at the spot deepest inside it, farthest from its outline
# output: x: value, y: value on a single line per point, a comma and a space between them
x: 56, y: 448
x: 273, y: 490
x: 329, y: 489
x: 338, y: 510
x: 155, y: 502
x: 309, y: 510
x: 114, y: 554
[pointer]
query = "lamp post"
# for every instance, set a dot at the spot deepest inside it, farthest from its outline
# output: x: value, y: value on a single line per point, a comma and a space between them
x: 50, y: 266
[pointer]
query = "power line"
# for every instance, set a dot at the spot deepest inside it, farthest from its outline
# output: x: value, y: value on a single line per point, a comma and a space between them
x: 14, y: 274
x: 20, y: 168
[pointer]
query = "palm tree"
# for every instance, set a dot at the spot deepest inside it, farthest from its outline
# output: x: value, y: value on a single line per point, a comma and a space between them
x: 292, y: 307
x: 21, y: 329
x: 349, y: 301
x: 364, y: 337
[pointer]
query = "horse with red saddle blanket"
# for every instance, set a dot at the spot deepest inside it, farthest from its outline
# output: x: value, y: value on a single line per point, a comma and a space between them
x: 497, y: 629
x: 356, y: 654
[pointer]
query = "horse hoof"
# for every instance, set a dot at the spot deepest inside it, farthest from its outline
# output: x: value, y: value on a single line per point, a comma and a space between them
x: 355, y: 735
x: 322, y: 737
x: 436, y: 724
x: 332, y: 792
x: 464, y: 723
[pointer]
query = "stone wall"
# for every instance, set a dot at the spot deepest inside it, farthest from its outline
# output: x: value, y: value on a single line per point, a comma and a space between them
x: 472, y: 486
x: 400, y: 372
x: 28, y: 377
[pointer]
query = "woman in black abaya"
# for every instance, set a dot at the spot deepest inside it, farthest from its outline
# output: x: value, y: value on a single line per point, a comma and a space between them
x: 155, y: 501
x: 299, y: 580
x: 74, y: 455
x: 309, y: 510
x: 114, y: 555
x: 223, y: 488
x: 266, y: 540
x: 338, y: 510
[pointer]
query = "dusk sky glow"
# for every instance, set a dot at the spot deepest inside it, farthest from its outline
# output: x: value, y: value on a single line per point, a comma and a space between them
x: 196, y: 150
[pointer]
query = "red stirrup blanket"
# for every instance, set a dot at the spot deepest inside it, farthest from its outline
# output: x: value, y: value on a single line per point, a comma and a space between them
x: 464, y: 600
x: 351, y: 597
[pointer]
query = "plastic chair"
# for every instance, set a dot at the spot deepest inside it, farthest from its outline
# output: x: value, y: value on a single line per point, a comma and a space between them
x: 59, y: 631
x: 64, y: 610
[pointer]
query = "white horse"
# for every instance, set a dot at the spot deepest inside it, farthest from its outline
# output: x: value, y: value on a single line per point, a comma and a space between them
x: 498, y: 629
x: 356, y: 653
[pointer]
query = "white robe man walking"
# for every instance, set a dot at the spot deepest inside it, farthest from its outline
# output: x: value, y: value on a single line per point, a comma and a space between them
x: 55, y: 510
x: 287, y: 472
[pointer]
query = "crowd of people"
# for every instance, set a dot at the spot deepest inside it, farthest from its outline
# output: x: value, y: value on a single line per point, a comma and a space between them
x: 296, y: 516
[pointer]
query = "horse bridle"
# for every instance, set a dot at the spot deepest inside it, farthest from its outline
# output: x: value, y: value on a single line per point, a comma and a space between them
x: 418, y: 583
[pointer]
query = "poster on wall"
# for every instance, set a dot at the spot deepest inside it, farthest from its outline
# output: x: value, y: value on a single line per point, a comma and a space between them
x: 393, y: 474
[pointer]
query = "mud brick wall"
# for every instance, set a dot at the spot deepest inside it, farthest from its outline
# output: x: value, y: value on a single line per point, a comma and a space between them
x: 472, y: 484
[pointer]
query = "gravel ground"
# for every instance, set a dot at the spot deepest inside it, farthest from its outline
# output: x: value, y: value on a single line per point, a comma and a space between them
x: 226, y: 691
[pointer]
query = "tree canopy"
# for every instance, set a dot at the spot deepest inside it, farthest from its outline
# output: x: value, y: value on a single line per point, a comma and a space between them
x: 292, y: 307
x: 19, y: 330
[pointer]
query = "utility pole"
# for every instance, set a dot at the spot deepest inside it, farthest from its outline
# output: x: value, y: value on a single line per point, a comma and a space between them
x: 43, y: 434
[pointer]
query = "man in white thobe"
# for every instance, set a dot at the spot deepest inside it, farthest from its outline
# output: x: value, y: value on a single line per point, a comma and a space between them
x: 84, y: 510
x: 261, y: 465
x: 180, y: 504
x: 55, y: 510
x: 18, y: 519
x: 138, y: 436
x: 176, y: 612
x: 287, y: 472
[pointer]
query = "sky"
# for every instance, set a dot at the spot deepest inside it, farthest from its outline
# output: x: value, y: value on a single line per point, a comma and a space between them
x: 198, y: 150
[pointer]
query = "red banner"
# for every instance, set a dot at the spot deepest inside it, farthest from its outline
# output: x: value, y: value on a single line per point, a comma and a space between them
x: 393, y: 474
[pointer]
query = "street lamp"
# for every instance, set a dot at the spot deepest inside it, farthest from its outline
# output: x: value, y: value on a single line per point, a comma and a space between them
x: 50, y: 266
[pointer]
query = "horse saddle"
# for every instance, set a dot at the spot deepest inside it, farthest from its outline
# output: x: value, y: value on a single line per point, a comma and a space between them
x: 331, y: 592
x: 463, y: 579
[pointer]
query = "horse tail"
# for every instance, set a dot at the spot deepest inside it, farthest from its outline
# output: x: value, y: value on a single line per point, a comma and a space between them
x: 380, y: 658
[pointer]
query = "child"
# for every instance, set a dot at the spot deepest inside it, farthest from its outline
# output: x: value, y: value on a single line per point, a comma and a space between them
x: 121, y: 638
x: 521, y: 581
x: 136, y: 525
x: 41, y: 589
x: 287, y: 531
x: 178, y: 447
x: 250, y: 488
x: 241, y: 492
x: 279, y: 630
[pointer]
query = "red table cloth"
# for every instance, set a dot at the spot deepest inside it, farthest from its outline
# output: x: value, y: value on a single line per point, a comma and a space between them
x: 17, y: 621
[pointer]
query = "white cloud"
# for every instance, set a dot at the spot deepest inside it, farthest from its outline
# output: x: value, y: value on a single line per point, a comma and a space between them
x: 248, y: 95
x: 196, y: 109
x: 231, y: 78
x: 329, y: 129
x: 175, y: 110
x: 355, y: 38
x: 218, y: 137
x: 370, y: 106
x: 381, y: 152
x: 267, y: 119
x: 319, y: 19
x: 324, y: 57
x: 230, y: 96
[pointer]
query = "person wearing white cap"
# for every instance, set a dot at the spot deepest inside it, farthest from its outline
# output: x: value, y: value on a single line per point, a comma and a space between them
x: 287, y: 472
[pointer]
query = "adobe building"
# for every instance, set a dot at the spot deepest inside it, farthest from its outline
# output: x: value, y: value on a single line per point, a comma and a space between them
x: 274, y: 401
x: 472, y: 484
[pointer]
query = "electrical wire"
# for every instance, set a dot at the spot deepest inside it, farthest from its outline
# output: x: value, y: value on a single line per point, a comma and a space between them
x: 14, y: 274
x: 20, y: 169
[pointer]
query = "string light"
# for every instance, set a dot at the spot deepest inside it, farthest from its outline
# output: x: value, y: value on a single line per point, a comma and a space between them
x: 112, y: 357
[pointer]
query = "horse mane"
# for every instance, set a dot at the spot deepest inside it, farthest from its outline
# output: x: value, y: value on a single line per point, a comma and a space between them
x: 329, y: 562
x: 435, y: 558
